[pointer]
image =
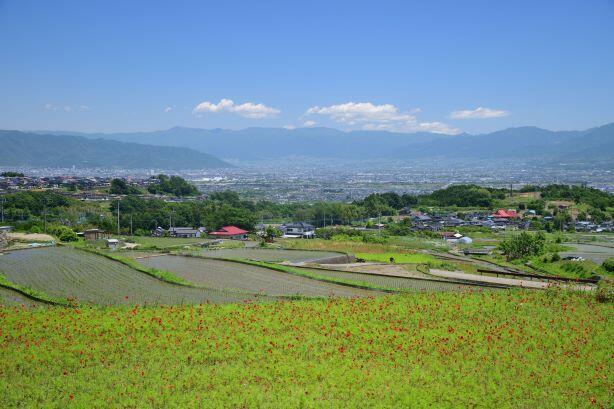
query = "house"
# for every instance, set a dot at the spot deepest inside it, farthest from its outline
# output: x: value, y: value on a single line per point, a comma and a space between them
x: 94, y: 234
x: 186, y: 232
x: 112, y: 243
x: 298, y: 230
x: 505, y: 214
x: 6, y: 229
x: 230, y: 232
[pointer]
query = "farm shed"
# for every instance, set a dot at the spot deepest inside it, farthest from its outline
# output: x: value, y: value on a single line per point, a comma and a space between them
x: 94, y: 234
x: 112, y: 243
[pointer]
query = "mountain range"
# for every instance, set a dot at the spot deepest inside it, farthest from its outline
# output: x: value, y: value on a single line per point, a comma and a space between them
x: 526, y: 142
x: 193, y: 148
x: 63, y: 151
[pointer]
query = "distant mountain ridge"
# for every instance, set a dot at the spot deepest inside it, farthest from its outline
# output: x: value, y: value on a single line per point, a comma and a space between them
x: 279, y: 143
x: 49, y: 150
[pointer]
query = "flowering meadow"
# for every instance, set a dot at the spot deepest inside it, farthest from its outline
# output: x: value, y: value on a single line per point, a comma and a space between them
x: 499, y: 349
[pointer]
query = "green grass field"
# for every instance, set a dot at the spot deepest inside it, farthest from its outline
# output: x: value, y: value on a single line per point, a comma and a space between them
x: 415, y: 258
x: 498, y: 349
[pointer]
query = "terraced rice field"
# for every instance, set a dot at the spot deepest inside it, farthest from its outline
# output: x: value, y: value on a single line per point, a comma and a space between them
x: 397, y: 283
x: 597, y: 254
x: 10, y: 297
x: 225, y: 274
x: 271, y: 255
x: 66, y: 273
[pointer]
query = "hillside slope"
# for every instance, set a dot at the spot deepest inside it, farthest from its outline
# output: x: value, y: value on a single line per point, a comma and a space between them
x: 30, y: 149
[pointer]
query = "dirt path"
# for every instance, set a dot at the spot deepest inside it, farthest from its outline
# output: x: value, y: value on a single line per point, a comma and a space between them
x: 455, y: 275
x: 394, y: 270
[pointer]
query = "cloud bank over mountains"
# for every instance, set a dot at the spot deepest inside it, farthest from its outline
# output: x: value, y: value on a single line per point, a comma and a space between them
x: 353, y: 115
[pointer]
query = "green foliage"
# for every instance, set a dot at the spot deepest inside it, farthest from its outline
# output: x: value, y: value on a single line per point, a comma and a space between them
x: 608, y: 265
x: 174, y: 185
x: 67, y: 235
x: 464, y: 196
x: 523, y: 245
x: 121, y: 187
x: 11, y: 174
x: 579, y: 194
x: 385, y: 204
x: 394, y: 351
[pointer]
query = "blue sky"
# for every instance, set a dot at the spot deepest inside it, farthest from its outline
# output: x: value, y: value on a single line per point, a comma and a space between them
x: 445, y: 66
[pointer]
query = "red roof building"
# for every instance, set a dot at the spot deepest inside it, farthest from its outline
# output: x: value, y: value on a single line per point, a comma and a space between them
x: 230, y: 232
x: 503, y: 214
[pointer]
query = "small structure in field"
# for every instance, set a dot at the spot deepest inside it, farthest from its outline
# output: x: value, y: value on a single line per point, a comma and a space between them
x: 112, y: 243
x: 298, y: 230
x: 230, y: 232
x: 94, y: 234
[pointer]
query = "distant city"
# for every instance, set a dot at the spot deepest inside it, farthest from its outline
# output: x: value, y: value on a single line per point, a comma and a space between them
x: 290, y: 180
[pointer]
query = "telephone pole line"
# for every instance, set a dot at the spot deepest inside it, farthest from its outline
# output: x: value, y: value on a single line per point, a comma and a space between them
x: 118, y: 218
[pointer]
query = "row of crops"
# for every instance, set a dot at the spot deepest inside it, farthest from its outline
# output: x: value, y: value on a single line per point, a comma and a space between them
x: 11, y: 297
x: 223, y: 275
x: 66, y: 273
x: 271, y: 255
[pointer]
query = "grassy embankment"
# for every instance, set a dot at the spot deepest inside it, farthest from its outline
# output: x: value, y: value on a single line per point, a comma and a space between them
x: 490, y: 349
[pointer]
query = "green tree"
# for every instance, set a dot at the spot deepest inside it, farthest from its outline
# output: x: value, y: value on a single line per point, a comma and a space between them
x: 523, y: 245
x: 121, y: 187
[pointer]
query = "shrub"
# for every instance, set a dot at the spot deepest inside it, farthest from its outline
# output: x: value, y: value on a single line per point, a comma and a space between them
x: 608, y: 265
x: 67, y: 235
x: 555, y: 257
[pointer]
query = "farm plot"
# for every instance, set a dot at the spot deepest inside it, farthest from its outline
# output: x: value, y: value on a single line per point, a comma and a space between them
x: 597, y: 254
x: 397, y: 283
x: 224, y: 274
x: 11, y: 297
x: 271, y: 255
x: 67, y: 273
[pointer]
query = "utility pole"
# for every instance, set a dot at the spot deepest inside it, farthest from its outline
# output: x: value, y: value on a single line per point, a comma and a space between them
x: 2, y: 203
x: 45, y: 217
x: 118, y: 218
x: 131, y: 225
x: 324, y: 217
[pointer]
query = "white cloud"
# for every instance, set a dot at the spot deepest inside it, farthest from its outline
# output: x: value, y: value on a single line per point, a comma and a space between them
x: 84, y: 108
x: 67, y: 108
x: 289, y: 127
x: 352, y: 113
x: 478, y: 113
x: 247, y: 109
x: 309, y: 124
x: 168, y: 109
x: 384, y: 117
x: 50, y: 107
